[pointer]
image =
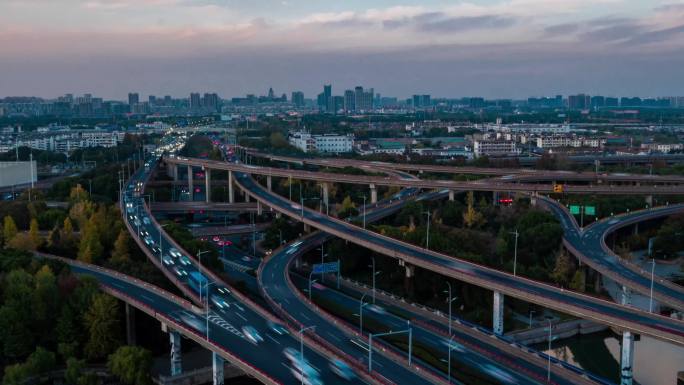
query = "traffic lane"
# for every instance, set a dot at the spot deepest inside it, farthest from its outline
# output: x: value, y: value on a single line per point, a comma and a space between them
x: 561, y: 297
x: 223, y: 332
x: 279, y: 291
x: 590, y: 241
x: 243, y: 316
x: 491, y: 370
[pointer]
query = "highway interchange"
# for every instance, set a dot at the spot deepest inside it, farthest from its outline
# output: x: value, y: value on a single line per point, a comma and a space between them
x: 230, y: 312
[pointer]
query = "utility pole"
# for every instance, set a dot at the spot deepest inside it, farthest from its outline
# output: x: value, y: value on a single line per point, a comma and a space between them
x: 515, y: 252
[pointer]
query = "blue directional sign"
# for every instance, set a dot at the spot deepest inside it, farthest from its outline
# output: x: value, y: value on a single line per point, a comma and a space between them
x: 330, y: 267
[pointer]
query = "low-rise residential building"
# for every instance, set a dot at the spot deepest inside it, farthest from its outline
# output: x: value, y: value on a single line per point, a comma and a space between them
x: 492, y: 147
x: 663, y: 147
x: 556, y: 141
x: 326, y: 143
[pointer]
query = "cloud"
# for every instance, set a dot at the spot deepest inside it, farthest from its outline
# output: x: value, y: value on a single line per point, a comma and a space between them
x: 457, y: 24
x: 561, y: 29
x: 657, y: 36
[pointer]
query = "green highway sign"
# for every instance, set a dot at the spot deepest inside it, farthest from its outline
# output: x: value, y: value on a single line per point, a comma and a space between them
x: 590, y: 210
x: 574, y: 209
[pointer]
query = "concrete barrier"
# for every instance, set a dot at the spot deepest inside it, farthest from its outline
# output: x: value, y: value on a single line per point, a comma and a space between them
x: 560, y: 330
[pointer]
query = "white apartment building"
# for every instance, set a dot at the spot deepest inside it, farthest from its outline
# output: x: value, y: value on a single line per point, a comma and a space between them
x: 663, y: 147
x: 327, y: 143
x: 486, y: 147
x: 556, y: 141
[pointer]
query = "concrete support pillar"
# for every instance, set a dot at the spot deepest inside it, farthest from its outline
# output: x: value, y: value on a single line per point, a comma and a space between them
x: 207, y: 184
x: 259, y: 210
x: 649, y: 200
x: 374, y: 194
x: 176, y: 358
x: 279, y: 214
x: 246, y: 195
x: 307, y: 228
x: 627, y: 358
x: 408, y: 277
x: 217, y: 366
x: 636, y: 228
x: 191, y: 187
x: 495, y: 198
x: 533, y: 199
x: 626, y: 297
x: 451, y: 195
x: 231, y: 192
x: 498, y: 319
x: 268, y: 182
x: 130, y: 325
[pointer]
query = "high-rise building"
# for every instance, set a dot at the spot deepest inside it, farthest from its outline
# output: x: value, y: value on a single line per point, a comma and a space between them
x: 327, y: 95
x: 210, y: 101
x: 152, y: 100
x: 611, y: 102
x: 363, y: 100
x: 338, y: 103
x: 298, y: 98
x: 349, y: 101
x: 133, y: 98
x: 195, y: 102
x: 598, y: 101
x: 579, y: 101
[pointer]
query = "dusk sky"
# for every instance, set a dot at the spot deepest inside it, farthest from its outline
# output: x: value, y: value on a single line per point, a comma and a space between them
x: 490, y: 48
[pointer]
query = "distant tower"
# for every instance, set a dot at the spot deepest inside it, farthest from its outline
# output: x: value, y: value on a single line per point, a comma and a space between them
x: 271, y: 95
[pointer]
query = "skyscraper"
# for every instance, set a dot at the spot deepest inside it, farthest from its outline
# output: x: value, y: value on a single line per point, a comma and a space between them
x: 298, y: 98
x: 133, y: 98
x: 349, y: 101
x: 363, y: 100
x: 195, y: 101
x: 210, y: 101
x: 327, y: 98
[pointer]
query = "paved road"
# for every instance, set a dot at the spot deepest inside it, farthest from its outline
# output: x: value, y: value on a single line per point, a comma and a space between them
x: 589, y: 246
x: 580, y: 305
x: 473, y: 349
x: 227, y: 322
x: 480, y: 185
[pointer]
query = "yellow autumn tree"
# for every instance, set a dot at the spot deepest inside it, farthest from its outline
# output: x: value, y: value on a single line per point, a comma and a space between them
x: 471, y: 217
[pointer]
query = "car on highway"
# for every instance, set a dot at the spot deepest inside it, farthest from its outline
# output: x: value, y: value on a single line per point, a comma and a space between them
x: 185, y: 260
x: 149, y: 241
x: 180, y: 271
x: 223, y: 290
x: 174, y: 252
x: 168, y: 260
x: 377, y: 309
x: 304, y: 372
x: 252, y: 334
x: 292, y: 354
x: 192, y: 320
x: 341, y: 369
x: 219, y: 301
x: 277, y: 328
x: 146, y: 220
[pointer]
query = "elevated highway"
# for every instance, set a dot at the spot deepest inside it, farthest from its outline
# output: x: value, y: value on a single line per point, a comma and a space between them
x: 481, y: 185
x: 589, y: 246
x: 576, y: 304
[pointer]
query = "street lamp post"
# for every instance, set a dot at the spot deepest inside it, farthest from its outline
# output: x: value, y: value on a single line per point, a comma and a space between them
x: 364, y: 211
x: 301, y: 345
x: 161, y: 248
x: 199, y: 258
x: 427, y: 231
x: 650, y: 300
x: 207, y: 301
x: 361, y: 306
x: 373, y: 276
x: 450, y: 347
x: 548, y: 354
x: 310, y: 282
x: 450, y: 300
x: 515, y: 252
x: 531, y: 312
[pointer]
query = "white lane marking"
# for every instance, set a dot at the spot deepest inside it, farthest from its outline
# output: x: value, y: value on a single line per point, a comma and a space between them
x: 272, y: 339
x: 241, y: 316
x: 305, y: 317
x: 147, y: 298
x: 334, y: 337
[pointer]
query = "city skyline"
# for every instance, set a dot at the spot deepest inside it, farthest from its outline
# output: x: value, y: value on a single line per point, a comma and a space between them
x: 489, y: 48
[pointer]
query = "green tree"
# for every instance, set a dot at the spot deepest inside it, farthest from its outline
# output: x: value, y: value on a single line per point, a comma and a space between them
x: 120, y: 255
x: 41, y: 361
x: 73, y: 371
x: 45, y: 299
x: 577, y: 282
x: 90, y: 249
x: 16, y: 338
x: 348, y: 208
x: 563, y: 269
x: 9, y: 229
x: 131, y: 364
x: 102, y: 323
x: 471, y: 217
x: 78, y: 194
x: 34, y: 235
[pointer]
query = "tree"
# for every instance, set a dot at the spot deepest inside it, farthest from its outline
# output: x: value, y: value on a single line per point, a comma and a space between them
x: 120, y: 255
x: 78, y: 194
x: 34, y: 235
x: 563, y: 269
x: 577, y: 282
x: 16, y: 338
x: 9, y: 229
x: 472, y: 218
x: 348, y: 208
x: 22, y: 241
x: 90, y: 249
x: 102, y: 323
x: 73, y: 370
x: 45, y: 299
x: 131, y: 364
